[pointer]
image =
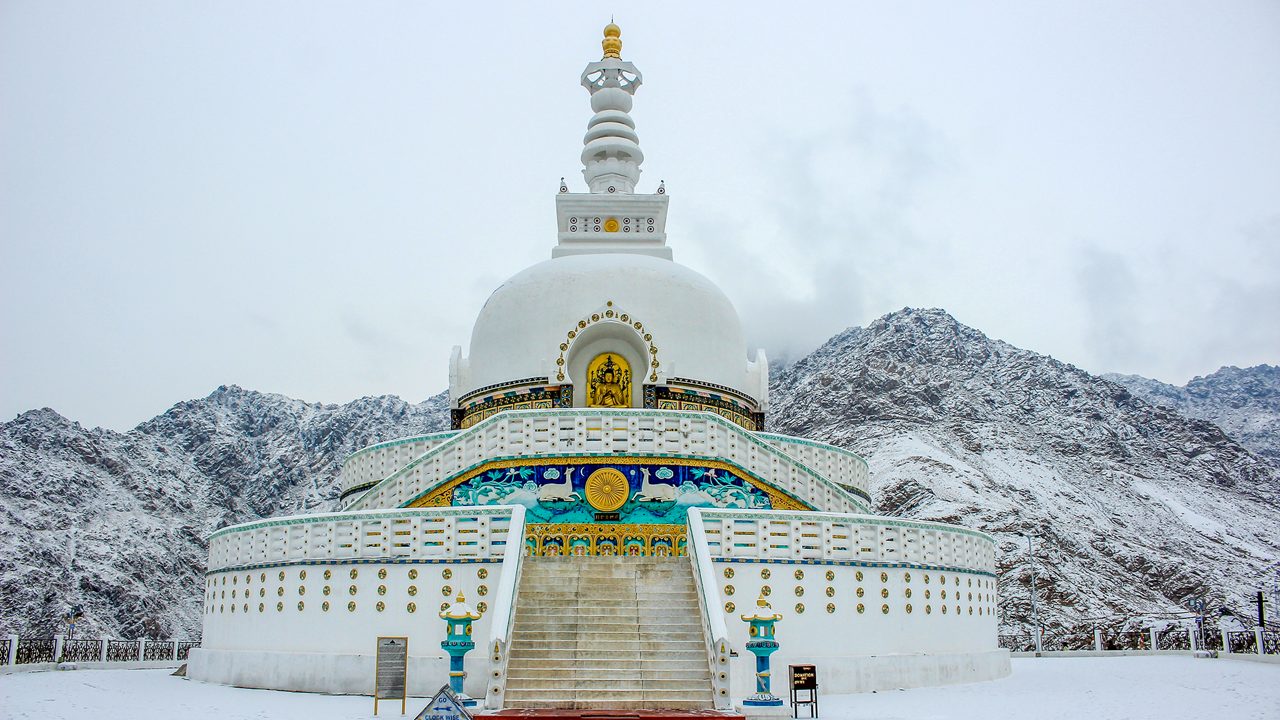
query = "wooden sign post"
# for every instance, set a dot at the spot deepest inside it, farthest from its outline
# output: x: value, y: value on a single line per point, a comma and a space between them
x: 804, y: 678
x: 391, y: 671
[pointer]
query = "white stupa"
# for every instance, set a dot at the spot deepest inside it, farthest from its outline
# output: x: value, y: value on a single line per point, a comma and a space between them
x: 608, y: 495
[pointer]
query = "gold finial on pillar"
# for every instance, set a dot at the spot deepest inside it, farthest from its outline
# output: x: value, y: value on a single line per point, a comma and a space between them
x: 612, y: 42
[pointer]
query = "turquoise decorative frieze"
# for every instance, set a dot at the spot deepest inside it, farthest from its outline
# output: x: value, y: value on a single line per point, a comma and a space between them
x: 592, y: 492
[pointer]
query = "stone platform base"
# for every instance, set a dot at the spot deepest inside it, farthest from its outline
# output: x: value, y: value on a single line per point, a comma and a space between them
x: 551, y: 714
x: 332, y: 673
x: 842, y: 675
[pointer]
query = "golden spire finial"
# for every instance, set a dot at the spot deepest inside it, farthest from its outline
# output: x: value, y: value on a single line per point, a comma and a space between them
x: 612, y: 42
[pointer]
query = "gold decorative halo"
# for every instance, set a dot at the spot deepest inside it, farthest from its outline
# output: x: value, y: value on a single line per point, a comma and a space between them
x: 607, y: 489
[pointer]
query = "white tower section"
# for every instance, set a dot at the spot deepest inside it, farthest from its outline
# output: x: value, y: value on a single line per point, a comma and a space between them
x: 611, y: 217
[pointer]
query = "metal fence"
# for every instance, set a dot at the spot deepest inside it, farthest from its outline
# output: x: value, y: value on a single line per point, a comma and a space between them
x: 26, y: 651
x: 184, y: 649
x: 1173, y: 639
x: 34, y: 650
x: 122, y: 650
x: 1242, y: 641
x: 81, y: 651
x: 1271, y: 642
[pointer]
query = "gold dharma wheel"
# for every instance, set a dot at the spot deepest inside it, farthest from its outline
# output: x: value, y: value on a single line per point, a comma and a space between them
x: 607, y: 489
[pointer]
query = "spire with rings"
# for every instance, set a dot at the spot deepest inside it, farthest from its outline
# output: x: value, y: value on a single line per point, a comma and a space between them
x: 611, y: 155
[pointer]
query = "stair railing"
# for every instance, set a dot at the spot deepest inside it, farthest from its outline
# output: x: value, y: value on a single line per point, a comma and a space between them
x: 504, y: 610
x: 716, y: 634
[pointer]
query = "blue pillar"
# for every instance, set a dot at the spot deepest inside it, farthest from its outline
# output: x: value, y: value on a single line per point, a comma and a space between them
x: 458, y: 618
x: 762, y: 644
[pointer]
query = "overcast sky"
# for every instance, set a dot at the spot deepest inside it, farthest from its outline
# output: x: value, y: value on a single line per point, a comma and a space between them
x: 315, y: 198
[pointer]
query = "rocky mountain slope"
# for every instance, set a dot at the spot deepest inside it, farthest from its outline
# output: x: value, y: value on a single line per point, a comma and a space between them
x: 1133, y: 508
x: 118, y: 521
x: 1243, y: 402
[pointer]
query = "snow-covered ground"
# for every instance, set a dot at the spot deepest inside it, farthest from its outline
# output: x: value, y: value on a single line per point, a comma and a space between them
x: 1129, y: 688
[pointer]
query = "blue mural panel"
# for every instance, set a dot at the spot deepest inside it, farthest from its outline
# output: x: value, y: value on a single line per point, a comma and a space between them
x: 657, y: 492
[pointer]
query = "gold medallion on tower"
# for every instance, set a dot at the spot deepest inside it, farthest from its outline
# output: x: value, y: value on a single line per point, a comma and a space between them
x: 607, y: 489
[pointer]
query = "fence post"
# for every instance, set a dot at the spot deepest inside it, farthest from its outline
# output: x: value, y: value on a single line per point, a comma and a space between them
x: 13, y: 650
x: 142, y: 648
x: 1039, y: 647
x: 1154, y: 645
x: 102, y: 651
x: 1191, y: 639
x: 1257, y: 639
x: 175, y: 651
x: 57, y: 648
x: 1097, y: 639
x: 1226, y: 641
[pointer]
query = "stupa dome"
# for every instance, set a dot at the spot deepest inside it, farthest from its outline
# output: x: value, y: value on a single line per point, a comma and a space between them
x: 548, y: 321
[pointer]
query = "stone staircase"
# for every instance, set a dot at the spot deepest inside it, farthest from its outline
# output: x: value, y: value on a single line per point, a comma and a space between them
x: 605, y: 633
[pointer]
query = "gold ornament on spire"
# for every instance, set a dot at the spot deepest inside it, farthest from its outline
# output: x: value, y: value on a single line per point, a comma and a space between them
x: 612, y: 42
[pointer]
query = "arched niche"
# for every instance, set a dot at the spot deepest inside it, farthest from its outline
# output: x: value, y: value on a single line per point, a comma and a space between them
x: 607, y: 336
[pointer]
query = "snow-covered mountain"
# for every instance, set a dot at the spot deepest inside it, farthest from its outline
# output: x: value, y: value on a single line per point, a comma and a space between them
x: 118, y: 521
x: 1133, y: 507
x: 1243, y: 402
x: 1136, y: 507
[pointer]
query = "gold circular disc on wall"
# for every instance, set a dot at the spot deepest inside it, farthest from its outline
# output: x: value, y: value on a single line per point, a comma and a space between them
x: 612, y: 225
x: 607, y: 489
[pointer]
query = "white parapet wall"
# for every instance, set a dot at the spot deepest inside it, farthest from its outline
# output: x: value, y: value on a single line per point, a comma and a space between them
x: 297, y: 603
x: 642, y: 433
x: 875, y: 603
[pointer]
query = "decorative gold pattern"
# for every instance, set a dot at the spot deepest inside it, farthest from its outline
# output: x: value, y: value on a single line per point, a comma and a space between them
x: 381, y: 606
x: 446, y: 590
x: 482, y: 590
x: 482, y: 573
x: 861, y: 608
x: 279, y: 607
x: 325, y: 590
x: 884, y: 577
x: 831, y: 592
x: 352, y: 590
x: 884, y: 592
x: 728, y: 590
x: 413, y: 590
x: 885, y: 608
x: 831, y: 575
x: 766, y: 591
x: 382, y: 589
x: 861, y: 592
x: 857, y: 575
x: 765, y: 574
x: 447, y: 573
x: 607, y: 489
x: 302, y: 574
x: 351, y: 606
x: 300, y: 605
x: 281, y: 576
x: 908, y: 608
x: 413, y: 573
x: 799, y: 574
x: 799, y: 591
x: 482, y: 607
x: 730, y: 607
x: 799, y: 608
x: 411, y: 607
x: 908, y: 592
x: 355, y: 573
x: 325, y: 606
x: 549, y: 539
x: 382, y: 573
x: 831, y: 607
x: 728, y: 573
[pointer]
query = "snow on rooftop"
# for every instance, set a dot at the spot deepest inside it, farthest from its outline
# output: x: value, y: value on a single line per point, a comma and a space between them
x: 1132, y: 688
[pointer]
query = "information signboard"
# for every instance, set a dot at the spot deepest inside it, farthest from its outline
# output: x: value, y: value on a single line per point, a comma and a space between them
x: 391, y: 671
x: 804, y: 678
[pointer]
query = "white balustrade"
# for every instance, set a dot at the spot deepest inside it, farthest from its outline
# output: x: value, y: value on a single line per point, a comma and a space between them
x: 375, y: 462
x: 764, y: 535
x: 419, y: 533
x: 532, y: 433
